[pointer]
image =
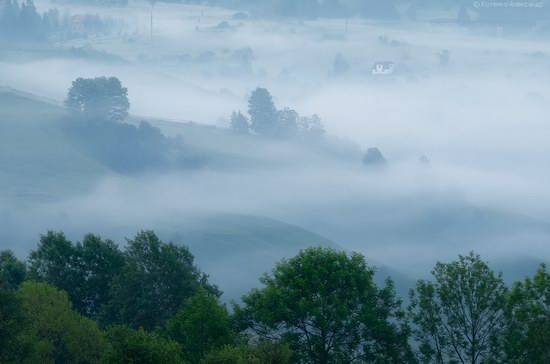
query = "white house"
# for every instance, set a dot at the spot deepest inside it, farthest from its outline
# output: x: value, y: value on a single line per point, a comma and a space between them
x: 383, y: 68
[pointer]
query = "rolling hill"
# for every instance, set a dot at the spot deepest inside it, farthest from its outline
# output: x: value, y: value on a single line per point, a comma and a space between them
x: 37, y: 160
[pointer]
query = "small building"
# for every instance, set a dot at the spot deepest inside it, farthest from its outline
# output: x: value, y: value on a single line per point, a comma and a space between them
x: 383, y: 68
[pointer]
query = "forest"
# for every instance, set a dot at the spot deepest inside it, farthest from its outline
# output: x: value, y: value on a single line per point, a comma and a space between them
x: 95, y: 302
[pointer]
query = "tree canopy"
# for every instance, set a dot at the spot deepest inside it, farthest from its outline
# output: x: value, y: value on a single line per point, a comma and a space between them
x: 528, y: 312
x: 326, y: 304
x: 156, y: 279
x: 98, y: 99
x: 321, y: 306
x: 140, y: 346
x: 201, y: 325
x: 56, y: 332
x: 85, y: 270
x: 267, y: 120
x: 262, y: 111
x: 460, y: 316
x: 12, y: 271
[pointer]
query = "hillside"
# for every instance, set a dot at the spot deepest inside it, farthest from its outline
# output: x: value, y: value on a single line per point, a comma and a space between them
x: 48, y: 178
x: 41, y: 169
x: 37, y: 160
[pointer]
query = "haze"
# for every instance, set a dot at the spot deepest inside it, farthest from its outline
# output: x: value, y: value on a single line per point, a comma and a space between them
x: 480, y: 119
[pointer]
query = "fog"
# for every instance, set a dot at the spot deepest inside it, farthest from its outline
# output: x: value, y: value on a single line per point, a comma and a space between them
x: 481, y: 119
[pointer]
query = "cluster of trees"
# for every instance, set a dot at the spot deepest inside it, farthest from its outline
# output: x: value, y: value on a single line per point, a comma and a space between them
x: 22, y: 22
x: 97, y: 107
x: 385, y: 9
x: 90, y: 302
x: 310, y: 9
x: 267, y: 120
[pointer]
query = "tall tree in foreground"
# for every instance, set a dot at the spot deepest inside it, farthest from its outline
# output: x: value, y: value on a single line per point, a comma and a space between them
x: 154, y: 283
x: 528, y: 339
x: 98, y: 262
x: 98, y: 99
x: 327, y: 306
x: 201, y: 326
x: 12, y: 324
x: 459, y: 318
x: 85, y: 270
x: 57, y: 333
x: 129, y: 346
x: 12, y: 270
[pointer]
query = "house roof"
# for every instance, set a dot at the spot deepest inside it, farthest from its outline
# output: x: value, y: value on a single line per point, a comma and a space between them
x: 384, y: 65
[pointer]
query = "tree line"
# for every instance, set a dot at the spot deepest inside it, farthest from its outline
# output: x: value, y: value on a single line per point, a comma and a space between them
x: 93, y: 302
x: 387, y: 10
x: 22, y: 22
x: 266, y: 120
x: 98, y: 106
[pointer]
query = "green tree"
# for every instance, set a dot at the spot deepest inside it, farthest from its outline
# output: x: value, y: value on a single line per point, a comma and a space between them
x: 98, y: 262
x: 153, y: 284
x: 200, y: 326
x: 327, y: 306
x: 459, y: 318
x: 12, y: 270
x: 140, y: 347
x: 12, y: 324
x: 231, y: 355
x: 57, y: 333
x: 273, y: 352
x: 262, y: 111
x: 54, y: 261
x: 239, y: 122
x: 85, y: 270
x: 98, y: 99
x: 528, y: 337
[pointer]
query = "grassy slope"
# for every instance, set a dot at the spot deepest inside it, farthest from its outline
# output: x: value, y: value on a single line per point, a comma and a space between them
x: 39, y: 163
x: 37, y: 160
x: 235, y: 250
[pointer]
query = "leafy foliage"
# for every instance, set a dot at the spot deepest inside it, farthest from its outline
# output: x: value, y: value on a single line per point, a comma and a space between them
x: 231, y: 355
x: 460, y: 316
x: 156, y: 279
x: 98, y: 99
x: 12, y: 323
x: 12, y: 270
x: 85, y: 270
x: 321, y: 306
x: 201, y: 326
x: 327, y: 306
x: 129, y: 346
x: 54, y: 261
x: 56, y: 332
x: 528, y: 338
